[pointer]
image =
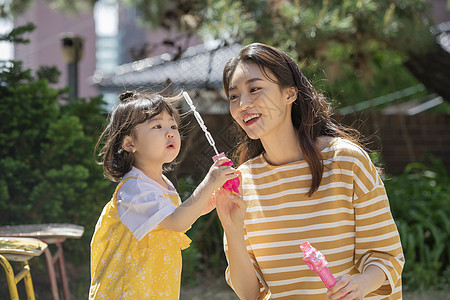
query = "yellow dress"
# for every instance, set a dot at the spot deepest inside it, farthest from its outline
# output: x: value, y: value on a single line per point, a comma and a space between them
x: 123, y: 267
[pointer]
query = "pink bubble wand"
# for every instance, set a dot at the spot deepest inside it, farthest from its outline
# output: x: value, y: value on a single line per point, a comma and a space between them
x: 317, y: 263
x: 232, y: 184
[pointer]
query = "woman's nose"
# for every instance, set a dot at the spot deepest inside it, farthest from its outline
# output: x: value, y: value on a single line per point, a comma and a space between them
x: 245, y: 102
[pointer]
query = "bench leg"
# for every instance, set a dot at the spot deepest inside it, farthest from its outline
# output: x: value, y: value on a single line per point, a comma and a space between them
x: 28, y: 282
x: 14, y: 279
x: 10, y: 278
x: 51, y: 274
x: 62, y: 271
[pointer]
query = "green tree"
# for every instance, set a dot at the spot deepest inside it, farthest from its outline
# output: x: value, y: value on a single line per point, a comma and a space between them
x: 46, y: 153
x: 352, y: 49
x: 47, y: 141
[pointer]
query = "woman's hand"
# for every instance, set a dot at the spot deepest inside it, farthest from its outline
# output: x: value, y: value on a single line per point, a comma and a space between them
x: 231, y: 209
x: 345, y: 286
x: 356, y: 287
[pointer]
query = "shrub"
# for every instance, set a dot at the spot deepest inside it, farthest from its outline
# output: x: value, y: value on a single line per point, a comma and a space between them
x: 46, y: 155
x: 420, y: 203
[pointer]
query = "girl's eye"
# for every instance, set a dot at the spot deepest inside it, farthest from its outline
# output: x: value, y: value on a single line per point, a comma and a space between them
x: 255, y: 89
x: 157, y: 127
x: 174, y: 127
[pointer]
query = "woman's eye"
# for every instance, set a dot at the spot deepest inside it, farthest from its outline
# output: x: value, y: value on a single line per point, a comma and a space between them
x: 255, y: 89
x: 232, y: 97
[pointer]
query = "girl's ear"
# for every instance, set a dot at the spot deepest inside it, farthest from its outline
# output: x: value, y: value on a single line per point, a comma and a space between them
x: 128, y: 144
x: 292, y: 94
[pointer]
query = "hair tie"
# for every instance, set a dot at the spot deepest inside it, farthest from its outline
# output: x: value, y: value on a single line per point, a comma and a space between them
x: 128, y: 95
x: 159, y: 98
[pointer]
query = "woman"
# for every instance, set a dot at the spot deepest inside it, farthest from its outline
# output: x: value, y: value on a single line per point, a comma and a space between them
x: 304, y: 178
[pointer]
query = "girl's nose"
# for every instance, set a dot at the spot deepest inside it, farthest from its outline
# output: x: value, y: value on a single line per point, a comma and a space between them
x: 170, y: 134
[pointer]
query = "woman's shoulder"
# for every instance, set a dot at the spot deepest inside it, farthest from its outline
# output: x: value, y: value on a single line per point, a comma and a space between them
x: 350, y: 155
x: 345, y: 147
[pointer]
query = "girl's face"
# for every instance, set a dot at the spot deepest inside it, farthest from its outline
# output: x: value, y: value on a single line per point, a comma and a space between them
x: 157, y: 140
x: 257, y: 104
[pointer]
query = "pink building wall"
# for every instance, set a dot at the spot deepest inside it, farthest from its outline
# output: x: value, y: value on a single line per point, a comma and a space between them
x: 45, y: 45
x: 440, y: 11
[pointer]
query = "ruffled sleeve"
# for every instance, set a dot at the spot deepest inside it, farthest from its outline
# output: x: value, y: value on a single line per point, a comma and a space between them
x: 183, y: 240
x: 142, y: 206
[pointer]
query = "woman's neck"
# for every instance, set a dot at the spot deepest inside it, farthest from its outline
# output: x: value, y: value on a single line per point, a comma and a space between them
x: 283, y: 151
x: 283, y: 147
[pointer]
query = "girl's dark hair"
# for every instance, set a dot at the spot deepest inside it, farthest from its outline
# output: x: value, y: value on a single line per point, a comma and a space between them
x: 311, y: 112
x: 133, y: 109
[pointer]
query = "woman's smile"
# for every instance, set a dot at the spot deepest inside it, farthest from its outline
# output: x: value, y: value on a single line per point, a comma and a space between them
x: 251, y: 118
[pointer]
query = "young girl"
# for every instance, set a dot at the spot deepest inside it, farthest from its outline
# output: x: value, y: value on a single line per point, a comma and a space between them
x: 137, y: 243
x: 304, y: 178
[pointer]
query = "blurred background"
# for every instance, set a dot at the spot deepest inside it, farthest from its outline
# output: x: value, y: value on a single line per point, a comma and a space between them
x: 384, y: 64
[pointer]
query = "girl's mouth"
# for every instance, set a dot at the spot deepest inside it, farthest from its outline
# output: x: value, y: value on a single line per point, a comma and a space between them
x: 251, y: 118
x: 171, y: 146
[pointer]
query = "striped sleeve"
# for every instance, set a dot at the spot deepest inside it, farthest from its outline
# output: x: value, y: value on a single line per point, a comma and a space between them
x: 263, y: 288
x: 377, y: 241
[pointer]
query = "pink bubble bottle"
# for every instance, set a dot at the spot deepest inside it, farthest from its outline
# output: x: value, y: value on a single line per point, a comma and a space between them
x: 231, y: 185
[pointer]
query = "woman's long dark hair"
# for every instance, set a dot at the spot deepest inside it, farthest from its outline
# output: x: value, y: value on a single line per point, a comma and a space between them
x: 311, y: 112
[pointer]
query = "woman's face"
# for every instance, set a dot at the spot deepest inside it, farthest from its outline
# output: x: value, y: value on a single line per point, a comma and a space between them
x: 258, y: 104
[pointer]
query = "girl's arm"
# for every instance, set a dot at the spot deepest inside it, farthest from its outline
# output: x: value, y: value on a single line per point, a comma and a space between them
x: 210, y: 206
x: 188, y: 212
x: 242, y: 272
x: 356, y: 287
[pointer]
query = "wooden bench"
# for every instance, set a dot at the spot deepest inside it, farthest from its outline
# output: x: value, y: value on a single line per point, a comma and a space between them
x: 19, y: 250
x: 54, y: 233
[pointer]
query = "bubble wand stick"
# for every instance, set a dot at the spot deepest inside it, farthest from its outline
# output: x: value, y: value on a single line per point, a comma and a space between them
x: 232, y: 184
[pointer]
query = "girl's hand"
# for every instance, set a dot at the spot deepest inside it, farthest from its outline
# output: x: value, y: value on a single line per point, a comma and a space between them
x: 346, y: 288
x: 218, y: 175
x: 211, y: 205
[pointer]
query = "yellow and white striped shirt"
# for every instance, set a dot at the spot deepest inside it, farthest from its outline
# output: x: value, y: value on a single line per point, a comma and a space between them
x: 348, y: 219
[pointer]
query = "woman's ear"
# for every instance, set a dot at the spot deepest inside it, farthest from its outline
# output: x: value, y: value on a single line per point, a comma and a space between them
x: 128, y: 144
x: 292, y: 94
